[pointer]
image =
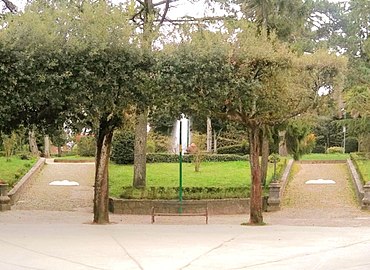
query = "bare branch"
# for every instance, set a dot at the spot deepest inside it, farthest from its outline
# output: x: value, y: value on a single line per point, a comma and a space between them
x: 10, y: 6
x: 167, y: 2
x: 140, y: 2
x: 165, y: 11
x: 192, y: 19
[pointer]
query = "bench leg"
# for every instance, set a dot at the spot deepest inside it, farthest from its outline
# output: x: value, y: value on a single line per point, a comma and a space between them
x: 152, y: 215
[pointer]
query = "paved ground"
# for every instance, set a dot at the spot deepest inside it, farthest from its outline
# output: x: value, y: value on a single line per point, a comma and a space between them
x: 331, y: 234
x: 126, y: 247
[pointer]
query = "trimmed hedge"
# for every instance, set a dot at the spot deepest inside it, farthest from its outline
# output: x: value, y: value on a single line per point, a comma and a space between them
x: 238, y: 149
x: 86, y: 146
x: 123, y: 147
x: 173, y: 158
x: 189, y: 193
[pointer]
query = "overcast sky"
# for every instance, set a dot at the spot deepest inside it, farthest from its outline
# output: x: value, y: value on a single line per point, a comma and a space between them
x: 195, y: 8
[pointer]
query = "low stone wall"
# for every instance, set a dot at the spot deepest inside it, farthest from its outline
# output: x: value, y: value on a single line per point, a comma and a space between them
x: 143, y: 207
x: 277, y: 189
x: 321, y: 161
x: 24, y: 183
x: 359, y: 187
x: 60, y: 160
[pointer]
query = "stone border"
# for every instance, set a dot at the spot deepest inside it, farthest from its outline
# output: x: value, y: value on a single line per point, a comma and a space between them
x: 25, y: 181
x: 143, y: 207
x: 59, y: 160
x: 277, y: 189
x: 339, y: 161
x: 359, y: 187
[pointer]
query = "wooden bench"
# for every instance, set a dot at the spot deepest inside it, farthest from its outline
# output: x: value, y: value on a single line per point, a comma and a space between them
x: 176, y: 208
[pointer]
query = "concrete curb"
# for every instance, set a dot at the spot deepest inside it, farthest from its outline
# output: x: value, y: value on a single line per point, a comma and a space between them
x: 359, y: 187
x: 22, y: 185
x: 321, y: 161
x: 285, y: 177
x: 277, y: 189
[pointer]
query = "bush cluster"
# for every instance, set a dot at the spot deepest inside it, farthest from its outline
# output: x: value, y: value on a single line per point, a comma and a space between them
x: 237, y: 149
x: 123, y: 147
x: 334, y: 150
x: 173, y: 158
x: 86, y: 146
x: 189, y: 193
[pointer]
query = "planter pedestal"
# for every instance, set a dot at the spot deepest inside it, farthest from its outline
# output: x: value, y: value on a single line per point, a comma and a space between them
x: 4, y: 198
x: 366, y: 200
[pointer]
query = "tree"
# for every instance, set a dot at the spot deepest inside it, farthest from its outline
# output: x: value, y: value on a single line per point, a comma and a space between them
x: 83, y: 59
x: 252, y: 79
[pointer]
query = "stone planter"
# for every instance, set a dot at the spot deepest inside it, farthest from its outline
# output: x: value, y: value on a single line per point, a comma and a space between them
x: 4, y: 198
x: 366, y: 200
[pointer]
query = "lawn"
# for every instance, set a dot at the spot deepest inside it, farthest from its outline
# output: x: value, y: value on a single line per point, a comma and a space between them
x: 212, y: 174
x: 325, y: 157
x: 364, y: 166
x: 74, y: 158
x: 13, y: 170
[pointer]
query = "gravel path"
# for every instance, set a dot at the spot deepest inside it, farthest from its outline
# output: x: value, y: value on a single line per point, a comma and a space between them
x: 42, y: 196
x: 325, y: 205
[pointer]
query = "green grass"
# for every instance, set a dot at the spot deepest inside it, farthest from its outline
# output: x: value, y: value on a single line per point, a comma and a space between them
x: 325, y: 157
x: 74, y: 158
x: 364, y: 166
x: 13, y: 170
x: 212, y: 174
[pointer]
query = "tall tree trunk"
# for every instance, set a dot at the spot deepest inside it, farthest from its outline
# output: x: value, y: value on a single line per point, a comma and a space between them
x: 140, y: 150
x: 46, y: 146
x: 265, y: 155
x: 214, y: 141
x: 32, y: 142
x: 101, y: 190
x: 209, y: 135
x: 59, y: 151
x: 283, y: 150
x: 256, y: 187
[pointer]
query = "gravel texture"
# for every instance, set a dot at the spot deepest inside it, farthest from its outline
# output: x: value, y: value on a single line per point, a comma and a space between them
x: 324, y: 205
x: 42, y: 196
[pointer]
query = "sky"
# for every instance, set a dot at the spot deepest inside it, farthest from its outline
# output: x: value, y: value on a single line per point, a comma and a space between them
x: 195, y: 8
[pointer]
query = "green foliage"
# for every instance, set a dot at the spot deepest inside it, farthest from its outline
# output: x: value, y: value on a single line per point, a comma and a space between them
x: 237, y: 149
x: 189, y: 193
x: 297, y: 131
x: 123, y: 147
x: 86, y: 147
x: 362, y: 163
x: 9, y: 143
x: 334, y: 150
x: 12, y: 171
x: 351, y: 145
x: 187, y: 158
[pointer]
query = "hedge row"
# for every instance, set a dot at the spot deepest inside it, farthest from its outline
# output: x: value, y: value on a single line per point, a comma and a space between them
x: 189, y: 193
x: 172, y: 158
x: 238, y: 149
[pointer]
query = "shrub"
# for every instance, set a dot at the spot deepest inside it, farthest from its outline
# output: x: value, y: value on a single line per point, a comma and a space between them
x: 351, y: 145
x: 189, y: 193
x: 334, y: 150
x: 172, y: 158
x: 319, y: 149
x: 123, y: 147
x: 237, y: 149
x: 86, y: 146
